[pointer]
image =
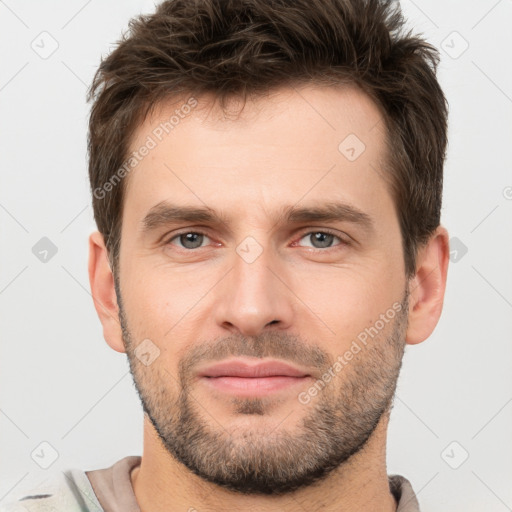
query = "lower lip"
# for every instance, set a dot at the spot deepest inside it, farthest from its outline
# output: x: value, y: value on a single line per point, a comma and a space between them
x: 252, y: 386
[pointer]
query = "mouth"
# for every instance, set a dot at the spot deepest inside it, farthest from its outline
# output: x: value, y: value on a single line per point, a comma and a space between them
x: 244, y: 377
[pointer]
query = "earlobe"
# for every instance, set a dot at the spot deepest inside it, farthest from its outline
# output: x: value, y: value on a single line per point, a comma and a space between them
x: 427, y: 287
x: 103, y: 291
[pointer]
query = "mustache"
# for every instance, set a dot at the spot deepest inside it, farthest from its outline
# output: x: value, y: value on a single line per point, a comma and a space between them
x: 273, y: 344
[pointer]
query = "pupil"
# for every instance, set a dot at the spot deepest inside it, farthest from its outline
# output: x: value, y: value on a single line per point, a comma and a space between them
x: 192, y: 240
x: 323, y: 238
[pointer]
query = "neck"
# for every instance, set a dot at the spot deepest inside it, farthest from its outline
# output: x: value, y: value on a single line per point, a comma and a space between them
x: 161, y: 484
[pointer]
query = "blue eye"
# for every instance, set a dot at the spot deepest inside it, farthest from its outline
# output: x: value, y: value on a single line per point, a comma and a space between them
x: 322, y: 239
x: 189, y: 239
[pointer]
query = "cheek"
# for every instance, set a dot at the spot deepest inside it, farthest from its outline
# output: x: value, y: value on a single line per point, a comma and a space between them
x: 342, y: 302
x: 161, y: 302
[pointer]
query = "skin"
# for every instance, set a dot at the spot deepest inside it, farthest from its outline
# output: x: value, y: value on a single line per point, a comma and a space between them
x: 294, y: 301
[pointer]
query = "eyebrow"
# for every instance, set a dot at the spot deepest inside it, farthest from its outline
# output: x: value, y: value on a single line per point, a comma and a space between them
x: 165, y: 213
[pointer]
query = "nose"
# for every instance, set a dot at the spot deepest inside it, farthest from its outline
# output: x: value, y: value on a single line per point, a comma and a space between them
x: 253, y: 296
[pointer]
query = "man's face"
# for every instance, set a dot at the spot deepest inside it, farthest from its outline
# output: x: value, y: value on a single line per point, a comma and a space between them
x: 259, y: 286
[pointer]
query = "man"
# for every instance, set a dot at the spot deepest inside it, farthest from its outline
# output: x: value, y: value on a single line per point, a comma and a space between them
x: 267, y: 182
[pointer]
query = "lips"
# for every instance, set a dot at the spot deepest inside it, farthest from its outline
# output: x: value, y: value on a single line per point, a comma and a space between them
x: 244, y: 368
x: 246, y: 377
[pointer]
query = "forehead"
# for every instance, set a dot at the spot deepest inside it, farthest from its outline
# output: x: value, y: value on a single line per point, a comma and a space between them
x: 319, y: 142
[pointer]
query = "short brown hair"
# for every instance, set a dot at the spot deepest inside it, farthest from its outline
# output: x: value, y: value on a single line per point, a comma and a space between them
x: 237, y: 48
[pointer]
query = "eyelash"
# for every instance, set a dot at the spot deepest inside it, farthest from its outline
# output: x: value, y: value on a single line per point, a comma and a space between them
x: 342, y: 243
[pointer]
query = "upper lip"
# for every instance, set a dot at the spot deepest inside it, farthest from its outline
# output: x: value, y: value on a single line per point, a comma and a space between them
x: 245, y: 368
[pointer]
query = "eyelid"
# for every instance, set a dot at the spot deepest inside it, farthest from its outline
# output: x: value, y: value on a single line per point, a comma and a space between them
x: 307, y: 231
x: 167, y: 240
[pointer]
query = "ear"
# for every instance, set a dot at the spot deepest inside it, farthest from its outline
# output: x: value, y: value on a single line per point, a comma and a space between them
x: 427, y: 287
x: 103, y: 291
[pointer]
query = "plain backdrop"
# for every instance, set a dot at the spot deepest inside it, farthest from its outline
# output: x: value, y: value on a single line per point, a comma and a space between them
x: 61, y: 385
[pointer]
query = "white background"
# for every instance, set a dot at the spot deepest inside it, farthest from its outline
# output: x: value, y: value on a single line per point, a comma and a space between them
x: 61, y: 383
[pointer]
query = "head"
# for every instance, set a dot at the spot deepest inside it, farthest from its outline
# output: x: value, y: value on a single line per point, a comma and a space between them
x: 267, y: 183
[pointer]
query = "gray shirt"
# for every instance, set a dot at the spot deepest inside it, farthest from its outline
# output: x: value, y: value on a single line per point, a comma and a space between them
x: 110, y: 490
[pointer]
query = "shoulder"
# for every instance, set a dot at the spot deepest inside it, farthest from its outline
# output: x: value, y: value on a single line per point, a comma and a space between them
x: 68, y: 491
x: 404, y: 494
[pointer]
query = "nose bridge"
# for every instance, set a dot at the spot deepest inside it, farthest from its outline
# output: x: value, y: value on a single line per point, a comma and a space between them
x: 252, y: 296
